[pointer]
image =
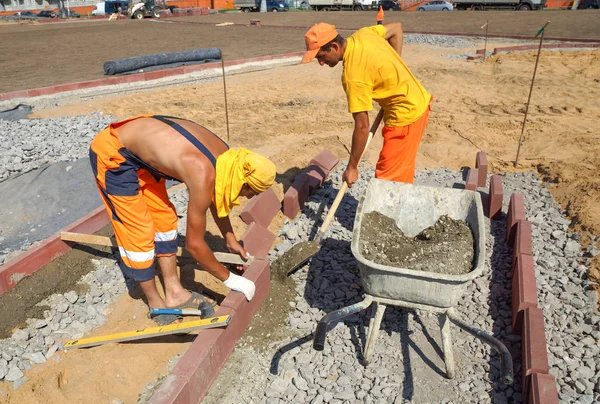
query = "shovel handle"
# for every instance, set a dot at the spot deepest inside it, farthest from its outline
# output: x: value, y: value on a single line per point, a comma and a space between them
x: 344, y: 187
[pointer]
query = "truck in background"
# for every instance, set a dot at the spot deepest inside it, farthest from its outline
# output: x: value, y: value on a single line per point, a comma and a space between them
x: 475, y: 5
x: 338, y: 5
x: 254, y: 5
x: 110, y: 7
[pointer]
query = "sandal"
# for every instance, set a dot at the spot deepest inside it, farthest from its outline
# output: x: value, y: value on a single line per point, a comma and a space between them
x: 197, y: 302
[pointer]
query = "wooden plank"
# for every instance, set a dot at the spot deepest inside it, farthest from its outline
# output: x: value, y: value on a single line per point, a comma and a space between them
x: 80, y: 238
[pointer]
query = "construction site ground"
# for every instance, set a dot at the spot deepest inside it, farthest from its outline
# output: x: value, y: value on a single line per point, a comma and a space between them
x: 292, y: 113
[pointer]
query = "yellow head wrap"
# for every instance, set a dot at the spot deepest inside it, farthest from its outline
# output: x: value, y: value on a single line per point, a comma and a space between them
x: 235, y: 168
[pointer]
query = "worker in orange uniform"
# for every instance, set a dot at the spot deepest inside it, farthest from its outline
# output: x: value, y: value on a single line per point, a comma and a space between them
x: 380, y: 16
x: 374, y: 70
x: 131, y: 161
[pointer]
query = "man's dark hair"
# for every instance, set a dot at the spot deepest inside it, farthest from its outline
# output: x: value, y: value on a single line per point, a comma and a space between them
x: 338, y: 39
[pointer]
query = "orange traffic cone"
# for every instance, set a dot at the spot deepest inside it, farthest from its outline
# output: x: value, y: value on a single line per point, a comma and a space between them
x: 380, y: 15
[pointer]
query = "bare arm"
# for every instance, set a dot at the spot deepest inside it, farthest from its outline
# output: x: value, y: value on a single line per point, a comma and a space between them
x: 359, y: 137
x: 359, y: 141
x: 199, y: 203
x: 394, y: 36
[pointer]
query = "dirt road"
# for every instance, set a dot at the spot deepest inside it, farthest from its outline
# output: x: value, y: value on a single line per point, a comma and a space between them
x: 31, y: 63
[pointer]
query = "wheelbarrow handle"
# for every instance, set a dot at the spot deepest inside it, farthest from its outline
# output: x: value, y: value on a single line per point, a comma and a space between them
x: 344, y: 187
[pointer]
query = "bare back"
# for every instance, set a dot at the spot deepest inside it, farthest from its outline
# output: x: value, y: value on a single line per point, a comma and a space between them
x: 168, y: 151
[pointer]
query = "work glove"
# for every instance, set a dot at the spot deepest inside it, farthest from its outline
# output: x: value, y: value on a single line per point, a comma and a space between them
x: 240, y: 284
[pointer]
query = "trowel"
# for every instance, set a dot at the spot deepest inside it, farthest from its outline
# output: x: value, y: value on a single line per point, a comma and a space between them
x: 304, y: 251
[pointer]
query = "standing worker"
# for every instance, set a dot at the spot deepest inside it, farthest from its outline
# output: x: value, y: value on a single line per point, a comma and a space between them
x: 131, y: 161
x: 374, y: 70
x: 380, y: 16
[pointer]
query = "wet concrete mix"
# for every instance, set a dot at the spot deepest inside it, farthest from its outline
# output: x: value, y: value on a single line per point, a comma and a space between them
x: 447, y: 247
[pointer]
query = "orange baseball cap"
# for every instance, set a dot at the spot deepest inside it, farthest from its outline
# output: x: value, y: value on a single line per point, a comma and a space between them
x: 317, y: 36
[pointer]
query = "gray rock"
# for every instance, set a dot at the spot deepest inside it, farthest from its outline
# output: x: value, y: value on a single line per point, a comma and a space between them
x: 13, y: 373
x: 3, y: 368
x: 18, y: 383
x: 21, y: 335
x: 71, y: 297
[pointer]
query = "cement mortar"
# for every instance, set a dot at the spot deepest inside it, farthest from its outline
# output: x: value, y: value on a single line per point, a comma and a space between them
x: 446, y: 247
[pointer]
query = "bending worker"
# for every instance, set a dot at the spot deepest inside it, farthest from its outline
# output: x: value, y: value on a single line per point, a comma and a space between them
x: 132, y: 160
x: 374, y: 70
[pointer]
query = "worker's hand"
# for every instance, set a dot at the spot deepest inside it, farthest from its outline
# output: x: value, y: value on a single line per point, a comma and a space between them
x: 234, y: 247
x: 240, y: 284
x: 350, y: 176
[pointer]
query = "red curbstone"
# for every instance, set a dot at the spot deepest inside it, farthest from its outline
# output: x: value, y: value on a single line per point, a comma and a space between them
x: 475, y: 57
x: 471, y: 184
x: 257, y: 240
x: 523, y: 242
x: 533, y: 346
x: 316, y: 175
x: 481, y: 164
x: 157, y: 74
x: 543, y: 389
x: 516, y: 212
x: 295, y: 196
x: 524, y: 290
x: 326, y: 160
x: 36, y: 257
x: 495, y: 197
x: 14, y: 94
x: 200, y: 365
x: 261, y: 209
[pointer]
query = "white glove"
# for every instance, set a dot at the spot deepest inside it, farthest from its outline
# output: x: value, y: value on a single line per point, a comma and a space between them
x: 240, y: 284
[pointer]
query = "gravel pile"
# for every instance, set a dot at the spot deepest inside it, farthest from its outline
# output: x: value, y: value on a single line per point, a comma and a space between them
x: 443, y: 41
x: 332, y: 281
x: 28, y: 144
x: 69, y: 316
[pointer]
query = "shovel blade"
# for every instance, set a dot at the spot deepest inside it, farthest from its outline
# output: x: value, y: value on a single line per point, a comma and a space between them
x: 294, y: 258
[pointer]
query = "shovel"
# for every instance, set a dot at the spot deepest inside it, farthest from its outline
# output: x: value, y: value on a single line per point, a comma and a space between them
x: 302, y: 252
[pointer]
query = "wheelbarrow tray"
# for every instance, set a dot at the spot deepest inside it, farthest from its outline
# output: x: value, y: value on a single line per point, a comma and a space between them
x: 415, y: 208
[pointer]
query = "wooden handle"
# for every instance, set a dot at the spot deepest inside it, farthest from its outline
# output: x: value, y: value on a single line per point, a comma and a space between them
x: 344, y: 187
x: 226, y: 258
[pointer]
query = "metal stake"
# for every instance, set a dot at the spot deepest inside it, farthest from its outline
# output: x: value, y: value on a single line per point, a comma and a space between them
x: 225, y: 92
x: 486, y: 37
x: 537, y: 59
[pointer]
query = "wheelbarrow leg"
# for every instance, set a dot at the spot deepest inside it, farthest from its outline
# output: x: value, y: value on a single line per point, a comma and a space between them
x: 447, y: 345
x: 374, y: 325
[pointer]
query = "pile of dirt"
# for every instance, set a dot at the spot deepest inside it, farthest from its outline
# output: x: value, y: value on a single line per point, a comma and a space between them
x: 444, y: 248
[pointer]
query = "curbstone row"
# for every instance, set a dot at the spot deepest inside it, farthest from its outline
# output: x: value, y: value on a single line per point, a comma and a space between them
x: 538, y: 386
x: 528, y: 319
x: 307, y: 182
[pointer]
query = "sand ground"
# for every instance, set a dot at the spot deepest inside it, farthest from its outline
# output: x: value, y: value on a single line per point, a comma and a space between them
x: 291, y: 113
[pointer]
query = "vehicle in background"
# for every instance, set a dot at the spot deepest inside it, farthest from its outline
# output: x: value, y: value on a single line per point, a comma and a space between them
x: 147, y: 8
x: 389, y: 5
x: 24, y: 14
x: 110, y: 7
x: 64, y: 13
x: 254, y: 5
x: 436, y: 5
x: 338, y: 5
x: 46, y: 14
x: 588, y: 4
x: 524, y: 5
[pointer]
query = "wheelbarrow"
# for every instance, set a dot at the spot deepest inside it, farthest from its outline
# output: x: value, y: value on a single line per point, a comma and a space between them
x: 415, y: 208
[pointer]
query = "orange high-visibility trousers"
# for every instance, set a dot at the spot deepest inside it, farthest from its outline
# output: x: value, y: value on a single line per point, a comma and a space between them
x: 143, y: 218
x: 399, y: 152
